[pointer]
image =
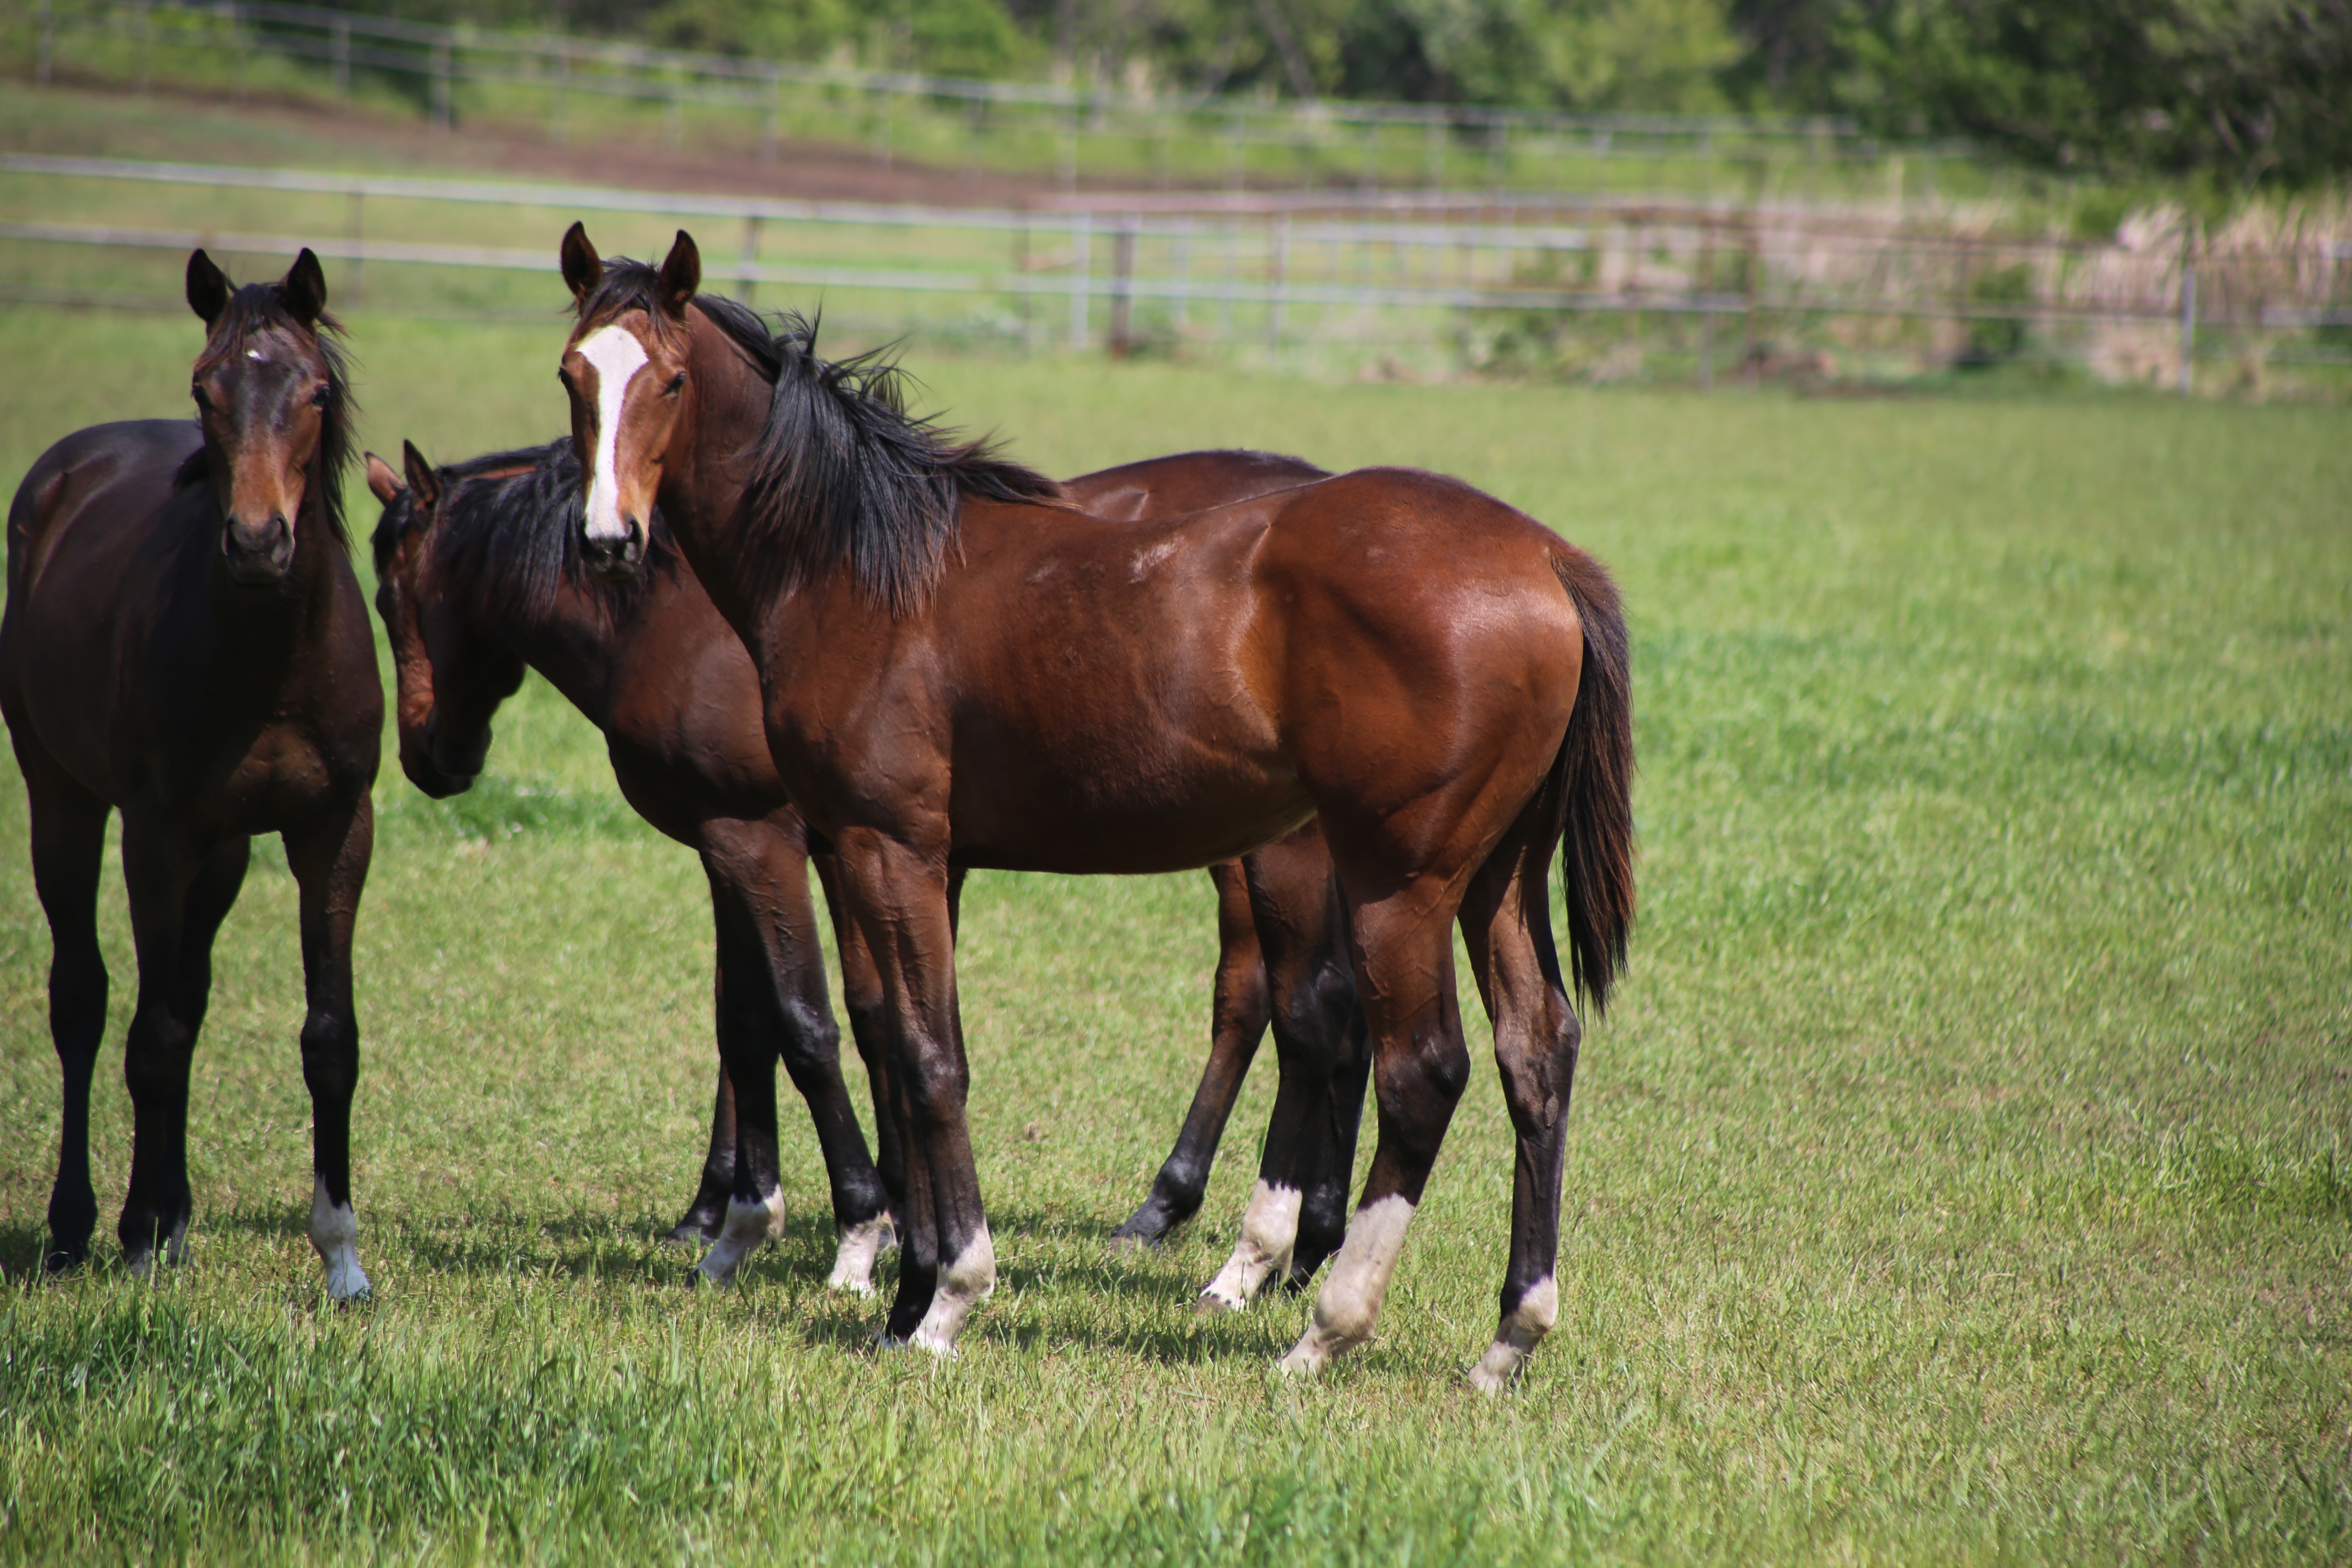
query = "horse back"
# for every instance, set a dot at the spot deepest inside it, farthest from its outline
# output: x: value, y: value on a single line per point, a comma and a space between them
x: 106, y: 479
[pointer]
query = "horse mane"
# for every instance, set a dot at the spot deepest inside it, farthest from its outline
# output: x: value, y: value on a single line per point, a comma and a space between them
x: 842, y: 475
x: 507, y: 536
x: 259, y: 307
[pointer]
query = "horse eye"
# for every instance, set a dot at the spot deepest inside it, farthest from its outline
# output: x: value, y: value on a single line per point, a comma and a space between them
x: 197, y: 390
x: 319, y: 398
x: 564, y: 376
x: 675, y: 383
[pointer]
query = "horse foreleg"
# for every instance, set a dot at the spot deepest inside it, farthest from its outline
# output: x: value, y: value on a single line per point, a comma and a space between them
x: 1241, y: 1007
x: 68, y: 827
x: 899, y: 897
x: 745, y: 1007
x: 330, y: 865
x: 179, y: 896
x: 869, y: 1030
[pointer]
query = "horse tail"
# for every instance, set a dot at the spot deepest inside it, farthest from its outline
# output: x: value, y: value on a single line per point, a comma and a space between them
x: 1593, y: 784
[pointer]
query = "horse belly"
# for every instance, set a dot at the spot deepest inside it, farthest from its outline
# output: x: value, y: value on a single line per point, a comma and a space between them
x: 1096, y: 806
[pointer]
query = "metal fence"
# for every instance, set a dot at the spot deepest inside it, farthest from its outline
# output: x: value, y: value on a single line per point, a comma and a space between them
x: 1584, y: 286
x: 1087, y: 127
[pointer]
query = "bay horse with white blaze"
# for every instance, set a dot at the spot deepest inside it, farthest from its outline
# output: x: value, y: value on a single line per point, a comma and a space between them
x: 186, y: 643
x: 958, y: 669
x: 479, y: 573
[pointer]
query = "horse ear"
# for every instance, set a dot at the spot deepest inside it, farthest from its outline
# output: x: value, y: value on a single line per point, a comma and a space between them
x: 208, y: 288
x: 582, y: 268
x: 382, y: 483
x: 423, y: 482
x: 681, y: 274
x: 304, y: 289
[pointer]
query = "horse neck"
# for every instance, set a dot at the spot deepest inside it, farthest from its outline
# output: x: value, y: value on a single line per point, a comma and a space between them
x: 565, y: 638
x: 703, y: 483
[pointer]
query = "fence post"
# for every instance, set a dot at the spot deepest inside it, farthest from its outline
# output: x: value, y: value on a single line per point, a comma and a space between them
x: 1081, y: 269
x: 1706, y: 310
x: 340, y: 48
x: 145, y: 6
x: 882, y: 130
x: 441, y: 114
x: 770, y: 127
x: 1755, y: 281
x: 747, y: 272
x: 1122, y: 285
x: 355, y: 225
x: 1278, y: 307
x: 2187, y: 320
x: 1436, y: 153
x: 1183, y: 269
x: 46, y: 50
x: 674, y: 117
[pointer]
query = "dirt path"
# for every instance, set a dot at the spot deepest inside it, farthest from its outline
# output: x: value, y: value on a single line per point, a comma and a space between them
x: 97, y: 121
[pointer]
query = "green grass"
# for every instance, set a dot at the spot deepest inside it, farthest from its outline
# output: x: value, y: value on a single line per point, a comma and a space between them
x: 1966, y: 1171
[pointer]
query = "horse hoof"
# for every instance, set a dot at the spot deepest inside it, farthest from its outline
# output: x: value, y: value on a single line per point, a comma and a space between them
x: 1215, y: 1303
x: 691, y: 1232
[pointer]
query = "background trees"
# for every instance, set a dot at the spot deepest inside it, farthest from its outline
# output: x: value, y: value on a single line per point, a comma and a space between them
x: 2242, y: 90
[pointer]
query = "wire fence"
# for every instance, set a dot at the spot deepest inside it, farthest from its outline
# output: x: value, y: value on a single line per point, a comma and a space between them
x: 1090, y: 128
x: 1588, y: 288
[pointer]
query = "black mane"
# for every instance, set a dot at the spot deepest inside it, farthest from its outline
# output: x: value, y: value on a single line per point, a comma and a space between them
x: 259, y: 307
x: 507, y: 536
x: 842, y: 476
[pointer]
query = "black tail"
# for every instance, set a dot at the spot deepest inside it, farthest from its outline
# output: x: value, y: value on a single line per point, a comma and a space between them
x: 1596, y: 786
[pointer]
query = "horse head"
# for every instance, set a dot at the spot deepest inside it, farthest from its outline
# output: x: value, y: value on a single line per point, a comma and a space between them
x: 452, y: 672
x: 625, y: 370
x: 274, y: 405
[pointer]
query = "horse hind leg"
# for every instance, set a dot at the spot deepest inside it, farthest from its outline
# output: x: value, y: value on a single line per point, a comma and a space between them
x: 1507, y: 926
x: 1311, y: 1011
x: 1243, y: 1006
x: 707, y: 1212
x: 68, y: 839
x: 1405, y: 982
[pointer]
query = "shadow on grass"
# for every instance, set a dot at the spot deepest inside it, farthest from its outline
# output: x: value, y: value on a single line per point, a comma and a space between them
x: 22, y: 1246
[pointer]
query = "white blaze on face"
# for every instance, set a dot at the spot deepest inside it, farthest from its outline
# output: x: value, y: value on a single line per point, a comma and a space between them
x: 619, y: 356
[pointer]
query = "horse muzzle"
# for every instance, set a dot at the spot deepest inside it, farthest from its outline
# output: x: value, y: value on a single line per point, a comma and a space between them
x: 614, y: 560
x: 258, y: 553
x: 436, y: 767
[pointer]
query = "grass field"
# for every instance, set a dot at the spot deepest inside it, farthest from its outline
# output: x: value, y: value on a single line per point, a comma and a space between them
x: 1966, y: 1172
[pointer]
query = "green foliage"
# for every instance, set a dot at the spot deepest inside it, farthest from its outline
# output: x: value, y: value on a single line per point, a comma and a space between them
x: 2252, y: 88
x: 1993, y: 339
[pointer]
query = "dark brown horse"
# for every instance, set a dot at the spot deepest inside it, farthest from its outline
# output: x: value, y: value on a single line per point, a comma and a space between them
x: 960, y: 669
x: 186, y: 643
x: 479, y: 574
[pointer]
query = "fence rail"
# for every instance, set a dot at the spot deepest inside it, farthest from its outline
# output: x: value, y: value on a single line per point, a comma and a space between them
x: 1777, y: 278
x: 1450, y: 144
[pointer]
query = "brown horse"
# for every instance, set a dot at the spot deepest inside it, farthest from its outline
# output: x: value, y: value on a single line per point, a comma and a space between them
x: 479, y: 574
x: 961, y: 669
x: 186, y: 643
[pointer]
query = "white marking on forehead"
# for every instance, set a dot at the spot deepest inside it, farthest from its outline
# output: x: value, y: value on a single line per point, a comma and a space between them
x: 256, y: 353
x: 619, y: 356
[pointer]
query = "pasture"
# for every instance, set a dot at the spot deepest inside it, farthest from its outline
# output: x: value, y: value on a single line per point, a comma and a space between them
x: 1965, y: 1172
